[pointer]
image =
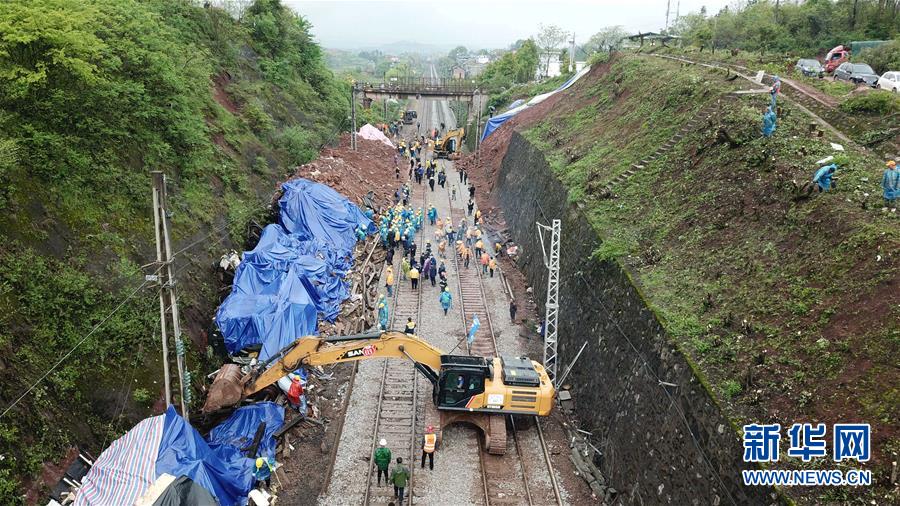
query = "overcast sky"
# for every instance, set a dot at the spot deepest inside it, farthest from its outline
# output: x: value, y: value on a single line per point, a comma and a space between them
x: 349, y: 24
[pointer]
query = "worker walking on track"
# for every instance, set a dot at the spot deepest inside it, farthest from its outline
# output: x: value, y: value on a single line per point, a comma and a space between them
x: 382, y: 460
x: 389, y: 281
x: 382, y: 315
x: 485, y: 260
x: 446, y: 300
x: 428, y: 447
x: 492, y: 265
x: 410, y: 326
x: 399, y: 477
x: 414, y: 277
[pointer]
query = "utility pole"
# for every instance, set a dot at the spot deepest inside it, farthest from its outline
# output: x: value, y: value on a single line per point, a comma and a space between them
x: 478, y: 129
x: 551, y: 315
x: 572, y: 53
x: 668, y: 6
x: 168, y: 297
x: 353, y: 115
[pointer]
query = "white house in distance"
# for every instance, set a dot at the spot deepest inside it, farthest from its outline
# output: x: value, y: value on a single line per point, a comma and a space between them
x: 552, y: 70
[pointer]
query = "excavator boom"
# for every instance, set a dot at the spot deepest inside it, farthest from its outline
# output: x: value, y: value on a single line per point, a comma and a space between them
x: 332, y: 350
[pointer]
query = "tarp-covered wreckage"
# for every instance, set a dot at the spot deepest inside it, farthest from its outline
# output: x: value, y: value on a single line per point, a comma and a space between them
x: 163, y: 459
x: 517, y: 106
x: 295, y: 275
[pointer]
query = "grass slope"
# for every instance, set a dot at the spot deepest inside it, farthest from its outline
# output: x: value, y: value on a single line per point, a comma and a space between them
x: 94, y: 95
x: 789, y: 308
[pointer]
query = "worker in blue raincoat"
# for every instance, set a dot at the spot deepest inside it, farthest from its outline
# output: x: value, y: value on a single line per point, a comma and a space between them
x: 382, y: 315
x: 890, y: 183
x: 446, y: 300
x: 823, y: 176
x: 432, y: 215
x: 769, y: 120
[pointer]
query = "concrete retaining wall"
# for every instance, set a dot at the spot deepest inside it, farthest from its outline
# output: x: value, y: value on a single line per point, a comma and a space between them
x: 661, y: 444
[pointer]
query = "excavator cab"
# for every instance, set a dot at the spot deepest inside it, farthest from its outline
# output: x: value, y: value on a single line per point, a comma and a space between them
x: 461, y: 379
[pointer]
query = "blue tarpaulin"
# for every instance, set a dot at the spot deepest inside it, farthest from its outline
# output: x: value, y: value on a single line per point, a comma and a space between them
x: 167, y: 444
x: 314, y: 211
x: 236, y: 433
x: 295, y: 275
x: 183, y: 452
x: 495, y: 122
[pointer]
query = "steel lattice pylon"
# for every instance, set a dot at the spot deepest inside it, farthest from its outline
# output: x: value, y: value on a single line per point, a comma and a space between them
x: 551, y: 261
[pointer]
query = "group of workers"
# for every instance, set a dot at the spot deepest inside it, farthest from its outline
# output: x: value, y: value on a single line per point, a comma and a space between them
x: 823, y: 178
x: 399, y: 476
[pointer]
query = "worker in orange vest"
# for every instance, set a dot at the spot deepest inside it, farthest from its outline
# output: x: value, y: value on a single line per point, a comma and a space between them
x: 428, y: 447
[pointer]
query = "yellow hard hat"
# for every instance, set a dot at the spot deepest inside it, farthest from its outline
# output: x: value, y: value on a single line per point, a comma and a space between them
x: 260, y: 462
x: 381, y: 305
x: 891, y: 163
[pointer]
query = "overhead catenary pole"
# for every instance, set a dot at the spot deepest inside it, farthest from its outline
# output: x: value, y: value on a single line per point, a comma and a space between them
x: 551, y: 310
x: 168, y: 292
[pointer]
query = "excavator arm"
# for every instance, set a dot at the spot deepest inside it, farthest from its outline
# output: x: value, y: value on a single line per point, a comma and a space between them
x: 314, y: 351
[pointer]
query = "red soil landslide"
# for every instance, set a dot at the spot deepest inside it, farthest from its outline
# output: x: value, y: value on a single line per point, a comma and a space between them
x: 354, y: 173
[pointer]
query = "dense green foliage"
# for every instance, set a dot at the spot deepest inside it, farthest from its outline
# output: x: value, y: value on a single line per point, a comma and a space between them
x: 513, y: 67
x: 93, y: 95
x: 808, y: 27
x: 877, y: 102
x: 786, y: 306
x: 884, y: 58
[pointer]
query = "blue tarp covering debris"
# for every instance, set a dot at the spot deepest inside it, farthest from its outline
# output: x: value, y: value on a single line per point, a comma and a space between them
x: 182, y: 452
x: 236, y: 433
x: 495, y: 122
x: 168, y: 444
x: 295, y: 275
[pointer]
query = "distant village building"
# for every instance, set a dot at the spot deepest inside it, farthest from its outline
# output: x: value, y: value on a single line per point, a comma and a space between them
x: 552, y: 69
x: 482, y: 59
x: 458, y: 72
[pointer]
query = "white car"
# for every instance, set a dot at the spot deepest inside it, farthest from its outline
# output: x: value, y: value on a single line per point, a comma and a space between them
x: 889, y: 81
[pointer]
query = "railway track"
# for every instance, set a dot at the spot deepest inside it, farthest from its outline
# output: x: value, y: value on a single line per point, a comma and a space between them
x: 505, y: 478
x: 398, y: 409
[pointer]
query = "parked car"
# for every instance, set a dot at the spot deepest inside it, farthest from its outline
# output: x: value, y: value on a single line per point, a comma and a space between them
x: 810, y: 67
x: 836, y: 57
x: 858, y: 73
x: 889, y: 81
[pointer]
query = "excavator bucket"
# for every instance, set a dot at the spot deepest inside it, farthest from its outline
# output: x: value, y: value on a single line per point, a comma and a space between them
x: 226, y: 389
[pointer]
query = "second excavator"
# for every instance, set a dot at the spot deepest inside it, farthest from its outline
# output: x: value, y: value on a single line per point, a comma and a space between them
x: 465, y: 388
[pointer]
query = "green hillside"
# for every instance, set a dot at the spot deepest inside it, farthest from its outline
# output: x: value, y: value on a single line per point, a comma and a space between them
x: 788, y: 306
x: 93, y: 96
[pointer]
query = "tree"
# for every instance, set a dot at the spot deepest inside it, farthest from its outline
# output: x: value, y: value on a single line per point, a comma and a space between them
x: 549, y: 39
x: 607, y: 39
x: 527, y: 57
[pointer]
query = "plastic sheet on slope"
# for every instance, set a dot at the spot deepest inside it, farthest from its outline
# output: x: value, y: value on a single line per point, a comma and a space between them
x: 495, y: 122
x: 373, y: 134
x: 237, y: 432
x: 183, y: 452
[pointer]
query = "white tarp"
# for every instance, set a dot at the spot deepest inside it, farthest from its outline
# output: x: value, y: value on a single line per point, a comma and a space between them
x: 373, y: 134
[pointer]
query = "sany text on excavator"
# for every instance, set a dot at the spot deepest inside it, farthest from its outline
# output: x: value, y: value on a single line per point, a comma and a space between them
x: 477, y: 390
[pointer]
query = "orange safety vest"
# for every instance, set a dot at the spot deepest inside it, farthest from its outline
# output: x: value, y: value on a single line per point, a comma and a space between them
x: 430, y: 440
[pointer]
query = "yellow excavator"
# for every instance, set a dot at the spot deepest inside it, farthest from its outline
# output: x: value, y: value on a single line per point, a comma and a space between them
x: 465, y: 388
x: 450, y: 143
